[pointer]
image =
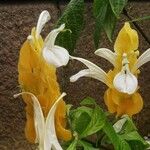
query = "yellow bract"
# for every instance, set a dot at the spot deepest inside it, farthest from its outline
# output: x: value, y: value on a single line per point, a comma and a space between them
x: 117, y: 102
x: 39, y: 78
x: 127, y: 40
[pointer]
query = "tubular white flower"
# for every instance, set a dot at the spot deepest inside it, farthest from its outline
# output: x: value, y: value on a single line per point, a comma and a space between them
x: 125, y: 81
x: 144, y: 58
x: 93, y: 71
x: 53, y: 54
x: 43, y: 19
x: 45, y: 129
x: 107, y: 54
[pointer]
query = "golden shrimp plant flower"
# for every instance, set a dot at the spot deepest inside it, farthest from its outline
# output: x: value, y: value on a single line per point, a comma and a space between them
x: 37, y: 75
x: 122, y: 96
x: 45, y: 127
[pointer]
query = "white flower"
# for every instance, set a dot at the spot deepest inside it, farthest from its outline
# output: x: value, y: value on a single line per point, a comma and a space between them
x: 144, y: 58
x: 43, y: 19
x: 53, y: 54
x: 93, y: 71
x: 45, y: 127
x: 125, y: 81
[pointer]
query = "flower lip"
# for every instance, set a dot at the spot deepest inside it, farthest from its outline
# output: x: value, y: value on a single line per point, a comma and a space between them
x: 125, y: 81
x: 53, y: 54
x: 49, y: 41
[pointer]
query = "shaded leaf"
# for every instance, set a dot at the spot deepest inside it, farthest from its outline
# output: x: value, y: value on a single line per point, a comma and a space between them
x: 135, y: 140
x: 106, y: 13
x: 80, y: 118
x: 117, y: 6
x: 73, y: 19
x: 81, y: 122
x: 100, y: 9
x: 109, y: 23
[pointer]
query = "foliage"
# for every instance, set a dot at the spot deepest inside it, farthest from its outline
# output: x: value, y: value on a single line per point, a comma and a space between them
x: 73, y: 19
x: 90, y: 121
x: 106, y: 13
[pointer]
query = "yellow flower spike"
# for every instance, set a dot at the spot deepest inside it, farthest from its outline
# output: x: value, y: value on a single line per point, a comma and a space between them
x: 121, y: 97
x: 44, y: 126
x: 38, y: 77
x: 127, y: 40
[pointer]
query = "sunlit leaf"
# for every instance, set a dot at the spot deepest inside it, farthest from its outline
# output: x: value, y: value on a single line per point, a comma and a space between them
x: 73, y: 145
x: 97, y: 122
x: 88, y: 101
x: 118, y: 142
x: 87, y: 146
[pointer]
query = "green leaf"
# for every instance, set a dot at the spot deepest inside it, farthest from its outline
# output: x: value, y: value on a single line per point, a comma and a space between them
x: 97, y: 6
x: 137, y: 145
x: 99, y: 10
x: 117, y: 6
x: 135, y: 140
x: 97, y: 122
x: 81, y: 122
x: 87, y: 146
x: 88, y: 101
x: 73, y: 19
x: 133, y: 136
x: 80, y: 118
x: 73, y: 145
x: 106, y: 13
x: 68, y: 107
x: 128, y: 126
x: 109, y: 23
x: 130, y: 134
x: 118, y: 142
x: 77, y: 112
x: 104, y: 20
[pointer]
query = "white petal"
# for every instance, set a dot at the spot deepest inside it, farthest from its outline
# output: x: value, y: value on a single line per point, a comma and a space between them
x: 119, y: 124
x: 82, y: 73
x: 45, y: 130
x: 107, y: 54
x: 51, y: 37
x: 93, y: 70
x: 39, y: 120
x: 87, y: 73
x: 43, y: 19
x: 58, y: 56
x: 126, y: 83
x: 144, y: 58
x: 50, y: 137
